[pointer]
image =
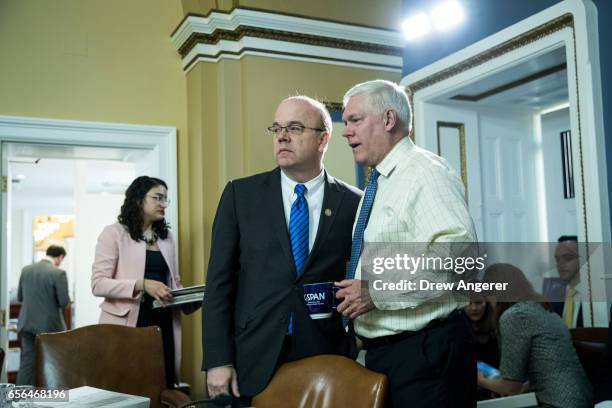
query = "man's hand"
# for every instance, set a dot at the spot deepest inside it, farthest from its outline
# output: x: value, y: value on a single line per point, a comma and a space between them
x: 357, y: 300
x: 218, y: 381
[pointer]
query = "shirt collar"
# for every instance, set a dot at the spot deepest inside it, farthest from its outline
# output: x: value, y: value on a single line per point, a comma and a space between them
x: 397, y: 154
x: 310, y: 184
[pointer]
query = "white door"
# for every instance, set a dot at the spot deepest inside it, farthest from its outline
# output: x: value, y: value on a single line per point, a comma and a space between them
x: 507, y: 166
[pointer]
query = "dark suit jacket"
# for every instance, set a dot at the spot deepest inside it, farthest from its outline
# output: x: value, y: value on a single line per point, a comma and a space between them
x: 252, y: 287
x: 43, y: 292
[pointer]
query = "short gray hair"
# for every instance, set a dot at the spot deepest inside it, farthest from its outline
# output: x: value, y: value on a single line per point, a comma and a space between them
x: 383, y: 95
x: 326, y: 121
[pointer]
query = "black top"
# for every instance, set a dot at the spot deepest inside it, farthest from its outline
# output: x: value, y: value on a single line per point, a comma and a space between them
x: 156, y: 267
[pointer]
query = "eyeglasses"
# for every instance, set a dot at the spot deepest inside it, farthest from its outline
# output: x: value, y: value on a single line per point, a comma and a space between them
x: 160, y: 199
x: 295, y: 130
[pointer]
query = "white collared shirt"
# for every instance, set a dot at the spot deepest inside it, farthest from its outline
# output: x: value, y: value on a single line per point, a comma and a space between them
x: 314, y: 197
x: 419, y: 199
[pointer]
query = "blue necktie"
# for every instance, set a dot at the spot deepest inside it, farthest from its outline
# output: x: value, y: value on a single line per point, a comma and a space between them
x: 298, y: 228
x: 362, y: 222
x: 298, y: 233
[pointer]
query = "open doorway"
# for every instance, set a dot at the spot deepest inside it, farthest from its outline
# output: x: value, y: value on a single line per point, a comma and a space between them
x: 519, y: 117
x: 509, y: 128
x: 62, y: 195
x: 100, y: 156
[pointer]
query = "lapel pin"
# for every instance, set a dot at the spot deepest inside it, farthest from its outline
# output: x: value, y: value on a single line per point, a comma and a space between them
x: 328, y: 212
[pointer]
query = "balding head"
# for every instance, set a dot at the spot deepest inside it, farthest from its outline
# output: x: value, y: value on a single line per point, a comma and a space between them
x: 301, y: 131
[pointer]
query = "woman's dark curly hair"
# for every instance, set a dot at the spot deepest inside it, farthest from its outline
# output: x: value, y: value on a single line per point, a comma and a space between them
x: 131, y: 215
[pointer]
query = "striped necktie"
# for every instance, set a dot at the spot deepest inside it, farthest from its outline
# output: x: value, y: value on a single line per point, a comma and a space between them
x: 298, y: 228
x: 298, y: 233
x: 362, y: 222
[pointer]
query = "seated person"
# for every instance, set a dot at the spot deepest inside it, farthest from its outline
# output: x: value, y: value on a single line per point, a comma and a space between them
x: 535, y: 346
x: 563, y: 293
x: 603, y: 387
x: 480, y: 313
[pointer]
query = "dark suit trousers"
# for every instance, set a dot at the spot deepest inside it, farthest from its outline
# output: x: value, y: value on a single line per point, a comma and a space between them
x: 25, y: 376
x: 435, y: 367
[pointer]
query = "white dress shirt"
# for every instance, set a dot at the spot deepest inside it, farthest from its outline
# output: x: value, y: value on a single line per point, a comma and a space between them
x: 314, y: 197
x: 419, y: 199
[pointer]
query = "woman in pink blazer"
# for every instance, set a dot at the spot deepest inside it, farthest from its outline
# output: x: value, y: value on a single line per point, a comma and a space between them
x: 136, y: 263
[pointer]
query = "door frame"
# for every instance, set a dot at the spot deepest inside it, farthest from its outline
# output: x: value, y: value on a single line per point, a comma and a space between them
x: 161, y: 140
x: 573, y: 24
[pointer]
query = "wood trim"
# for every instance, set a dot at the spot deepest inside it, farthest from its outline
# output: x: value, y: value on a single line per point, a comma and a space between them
x: 462, y: 149
x: 333, y: 106
x: 510, y: 85
x: 278, y: 35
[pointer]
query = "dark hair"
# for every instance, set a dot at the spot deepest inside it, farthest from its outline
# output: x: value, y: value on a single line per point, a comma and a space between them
x: 486, y: 324
x: 519, y: 289
x: 131, y: 215
x: 55, y: 250
x: 564, y: 238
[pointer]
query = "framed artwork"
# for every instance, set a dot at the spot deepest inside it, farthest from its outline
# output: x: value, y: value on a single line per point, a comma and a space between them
x: 451, y: 146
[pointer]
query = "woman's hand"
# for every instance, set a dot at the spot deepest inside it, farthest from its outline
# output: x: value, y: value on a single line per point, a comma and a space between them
x: 157, y: 290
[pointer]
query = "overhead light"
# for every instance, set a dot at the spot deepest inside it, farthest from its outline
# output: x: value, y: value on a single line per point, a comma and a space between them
x: 446, y: 15
x: 416, y: 26
x: 20, y: 177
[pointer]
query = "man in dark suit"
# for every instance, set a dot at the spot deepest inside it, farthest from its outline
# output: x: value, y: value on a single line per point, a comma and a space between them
x: 273, y: 233
x: 563, y: 292
x: 43, y: 293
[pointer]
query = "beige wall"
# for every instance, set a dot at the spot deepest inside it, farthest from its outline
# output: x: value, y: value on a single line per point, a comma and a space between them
x: 378, y: 13
x: 267, y: 81
x: 106, y: 61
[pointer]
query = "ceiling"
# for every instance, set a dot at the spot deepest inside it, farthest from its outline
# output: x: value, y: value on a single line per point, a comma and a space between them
x: 536, y: 84
x: 52, y: 172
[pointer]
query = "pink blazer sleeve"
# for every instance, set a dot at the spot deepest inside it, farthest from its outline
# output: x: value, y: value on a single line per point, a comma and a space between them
x: 104, y: 279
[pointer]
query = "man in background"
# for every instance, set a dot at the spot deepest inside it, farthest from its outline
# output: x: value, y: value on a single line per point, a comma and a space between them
x: 43, y: 293
x: 567, y: 262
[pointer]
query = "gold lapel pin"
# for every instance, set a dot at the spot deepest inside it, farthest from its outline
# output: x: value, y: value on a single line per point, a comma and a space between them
x: 328, y: 212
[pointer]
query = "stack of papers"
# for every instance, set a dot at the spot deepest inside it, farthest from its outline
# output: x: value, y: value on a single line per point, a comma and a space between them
x: 89, y: 397
x: 184, y: 295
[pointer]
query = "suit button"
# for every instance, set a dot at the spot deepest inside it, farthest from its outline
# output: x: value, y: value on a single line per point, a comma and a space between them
x: 283, y: 320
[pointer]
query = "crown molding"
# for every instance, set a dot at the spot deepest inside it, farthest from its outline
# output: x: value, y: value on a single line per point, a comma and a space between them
x: 243, y: 31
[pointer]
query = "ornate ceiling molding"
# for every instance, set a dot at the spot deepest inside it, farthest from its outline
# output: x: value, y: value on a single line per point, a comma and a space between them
x: 244, y: 31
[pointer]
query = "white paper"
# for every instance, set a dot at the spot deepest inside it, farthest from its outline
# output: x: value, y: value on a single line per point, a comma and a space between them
x: 89, y: 397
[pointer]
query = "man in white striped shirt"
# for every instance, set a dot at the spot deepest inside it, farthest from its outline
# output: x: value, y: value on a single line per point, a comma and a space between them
x: 422, y: 343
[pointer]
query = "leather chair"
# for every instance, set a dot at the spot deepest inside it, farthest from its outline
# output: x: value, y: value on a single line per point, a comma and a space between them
x: 116, y: 358
x: 590, y: 345
x: 324, y: 381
